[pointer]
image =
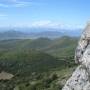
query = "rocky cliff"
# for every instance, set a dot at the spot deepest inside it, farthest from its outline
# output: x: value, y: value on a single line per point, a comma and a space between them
x: 80, y: 79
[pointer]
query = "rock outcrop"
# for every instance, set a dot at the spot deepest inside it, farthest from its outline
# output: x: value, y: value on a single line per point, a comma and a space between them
x: 80, y: 79
x: 6, y: 76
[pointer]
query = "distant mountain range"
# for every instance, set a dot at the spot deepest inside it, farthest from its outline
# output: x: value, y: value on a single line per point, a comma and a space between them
x: 35, y: 33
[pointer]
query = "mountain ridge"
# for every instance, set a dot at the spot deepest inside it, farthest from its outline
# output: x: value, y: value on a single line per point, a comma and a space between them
x: 52, y: 34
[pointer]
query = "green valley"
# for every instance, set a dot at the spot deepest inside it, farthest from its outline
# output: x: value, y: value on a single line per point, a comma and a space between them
x: 37, y: 64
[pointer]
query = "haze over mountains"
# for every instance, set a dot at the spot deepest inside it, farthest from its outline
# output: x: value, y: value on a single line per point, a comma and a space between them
x: 27, y: 33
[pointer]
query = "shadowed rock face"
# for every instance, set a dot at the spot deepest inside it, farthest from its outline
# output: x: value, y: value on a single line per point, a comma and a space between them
x: 80, y: 79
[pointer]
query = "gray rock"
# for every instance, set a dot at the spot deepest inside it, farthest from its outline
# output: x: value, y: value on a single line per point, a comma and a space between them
x: 80, y: 79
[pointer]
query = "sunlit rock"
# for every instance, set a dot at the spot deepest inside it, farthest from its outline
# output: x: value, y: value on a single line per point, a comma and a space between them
x: 80, y: 79
x: 6, y: 76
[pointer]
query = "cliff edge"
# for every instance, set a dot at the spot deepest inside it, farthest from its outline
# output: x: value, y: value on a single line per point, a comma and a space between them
x: 80, y: 79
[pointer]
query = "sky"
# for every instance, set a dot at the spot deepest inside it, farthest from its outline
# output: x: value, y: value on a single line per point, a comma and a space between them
x: 44, y: 13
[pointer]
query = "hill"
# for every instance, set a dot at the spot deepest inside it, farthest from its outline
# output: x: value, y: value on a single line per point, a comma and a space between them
x: 28, y: 61
x: 37, y: 64
x: 21, y: 33
x: 14, y: 34
x: 65, y: 44
x: 39, y: 43
x: 29, y: 66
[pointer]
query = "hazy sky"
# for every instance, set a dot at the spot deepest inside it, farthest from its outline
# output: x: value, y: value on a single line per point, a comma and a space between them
x: 44, y: 13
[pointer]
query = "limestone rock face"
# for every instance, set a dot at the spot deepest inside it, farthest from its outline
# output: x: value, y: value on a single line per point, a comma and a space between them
x: 80, y: 79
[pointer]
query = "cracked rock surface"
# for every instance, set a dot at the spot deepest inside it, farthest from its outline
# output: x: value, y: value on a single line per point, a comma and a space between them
x: 80, y: 79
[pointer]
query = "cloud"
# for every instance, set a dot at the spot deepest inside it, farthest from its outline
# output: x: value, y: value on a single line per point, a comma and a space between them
x: 3, y: 15
x: 3, y: 5
x: 53, y: 25
x: 46, y: 23
x: 15, y: 3
x: 21, y: 4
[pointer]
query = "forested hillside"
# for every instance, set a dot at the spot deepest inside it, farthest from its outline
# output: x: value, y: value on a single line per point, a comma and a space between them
x: 37, y: 64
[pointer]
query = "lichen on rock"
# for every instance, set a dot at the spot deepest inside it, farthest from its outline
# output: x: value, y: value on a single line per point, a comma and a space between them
x: 80, y: 79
